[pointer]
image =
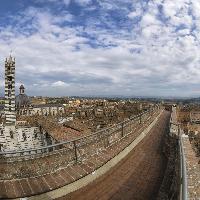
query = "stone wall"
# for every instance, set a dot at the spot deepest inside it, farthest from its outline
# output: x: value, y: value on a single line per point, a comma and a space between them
x: 170, y: 186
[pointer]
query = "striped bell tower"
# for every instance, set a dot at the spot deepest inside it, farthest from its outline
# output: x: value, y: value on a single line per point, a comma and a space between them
x: 10, y: 91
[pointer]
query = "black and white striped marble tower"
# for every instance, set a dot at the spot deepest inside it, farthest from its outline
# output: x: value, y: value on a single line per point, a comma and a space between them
x: 10, y: 91
x: 14, y: 135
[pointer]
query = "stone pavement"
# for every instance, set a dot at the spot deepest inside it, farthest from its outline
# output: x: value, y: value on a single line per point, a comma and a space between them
x: 193, y: 170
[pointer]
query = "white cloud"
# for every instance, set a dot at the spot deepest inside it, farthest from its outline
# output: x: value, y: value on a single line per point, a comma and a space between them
x: 83, y: 2
x: 67, y: 2
x: 158, y: 57
x: 59, y: 84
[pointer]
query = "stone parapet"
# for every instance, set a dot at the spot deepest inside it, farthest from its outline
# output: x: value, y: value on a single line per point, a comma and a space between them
x: 92, y: 153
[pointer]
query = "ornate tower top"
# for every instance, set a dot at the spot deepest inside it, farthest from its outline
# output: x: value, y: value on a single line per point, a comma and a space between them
x: 10, y: 59
x: 21, y: 89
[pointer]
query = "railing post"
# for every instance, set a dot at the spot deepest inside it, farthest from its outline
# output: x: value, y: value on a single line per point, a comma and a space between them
x: 179, y: 130
x: 75, y: 151
x: 106, y: 144
x: 122, y: 129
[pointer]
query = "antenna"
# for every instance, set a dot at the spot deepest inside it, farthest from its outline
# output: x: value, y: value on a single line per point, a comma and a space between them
x: 10, y: 57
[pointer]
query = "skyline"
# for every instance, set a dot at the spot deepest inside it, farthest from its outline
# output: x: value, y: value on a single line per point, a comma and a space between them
x: 95, y: 48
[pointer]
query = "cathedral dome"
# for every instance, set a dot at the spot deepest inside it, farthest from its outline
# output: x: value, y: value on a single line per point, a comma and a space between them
x: 22, y: 100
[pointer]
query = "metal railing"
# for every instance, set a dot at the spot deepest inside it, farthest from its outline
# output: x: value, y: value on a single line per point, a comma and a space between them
x: 34, y: 162
x: 107, y: 131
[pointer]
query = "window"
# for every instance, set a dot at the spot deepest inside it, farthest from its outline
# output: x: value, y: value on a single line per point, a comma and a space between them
x: 11, y: 135
x: 9, y: 102
x: 1, y: 147
x: 9, y: 78
x: 10, y: 109
x: 9, y: 93
x: 24, y: 136
x: 9, y: 86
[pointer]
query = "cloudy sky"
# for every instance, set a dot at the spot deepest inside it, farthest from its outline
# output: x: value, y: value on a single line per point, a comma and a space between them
x: 103, y: 47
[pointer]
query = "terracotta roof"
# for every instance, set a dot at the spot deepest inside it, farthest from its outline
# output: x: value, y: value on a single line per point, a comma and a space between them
x: 46, y: 105
x: 57, y: 131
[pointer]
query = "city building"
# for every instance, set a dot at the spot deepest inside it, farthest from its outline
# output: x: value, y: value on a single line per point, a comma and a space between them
x: 24, y: 107
x: 195, y: 116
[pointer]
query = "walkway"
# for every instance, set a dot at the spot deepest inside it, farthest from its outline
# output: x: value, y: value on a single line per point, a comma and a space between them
x: 32, y: 185
x: 137, y: 177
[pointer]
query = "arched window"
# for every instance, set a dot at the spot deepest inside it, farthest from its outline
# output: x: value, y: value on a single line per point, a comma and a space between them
x: 24, y: 136
x: 9, y: 78
x: 1, y: 147
x: 9, y: 93
x: 11, y: 135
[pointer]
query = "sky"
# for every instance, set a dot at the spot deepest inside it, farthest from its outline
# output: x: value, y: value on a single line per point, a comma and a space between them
x: 102, y: 47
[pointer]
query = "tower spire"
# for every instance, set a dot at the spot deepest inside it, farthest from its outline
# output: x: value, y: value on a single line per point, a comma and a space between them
x: 10, y: 56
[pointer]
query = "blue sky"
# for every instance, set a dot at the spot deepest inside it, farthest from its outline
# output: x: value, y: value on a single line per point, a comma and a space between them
x: 103, y: 47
